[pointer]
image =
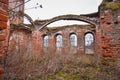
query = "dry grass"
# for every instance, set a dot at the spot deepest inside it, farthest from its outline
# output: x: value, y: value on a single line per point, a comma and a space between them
x: 55, y: 66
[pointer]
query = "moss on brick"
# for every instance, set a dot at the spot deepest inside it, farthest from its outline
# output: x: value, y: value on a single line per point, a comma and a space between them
x: 111, y: 5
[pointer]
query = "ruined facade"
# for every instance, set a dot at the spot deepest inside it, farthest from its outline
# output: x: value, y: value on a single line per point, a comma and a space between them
x: 103, y: 31
x: 103, y: 26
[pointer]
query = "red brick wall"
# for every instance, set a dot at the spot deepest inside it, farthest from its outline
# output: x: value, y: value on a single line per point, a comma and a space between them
x: 4, y: 32
x: 110, y: 34
x: 19, y: 41
x: 107, y: 37
x: 35, y: 39
x: 14, y: 17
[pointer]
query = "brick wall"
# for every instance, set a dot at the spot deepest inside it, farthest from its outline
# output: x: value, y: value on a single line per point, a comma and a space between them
x: 13, y: 9
x: 110, y: 33
x: 35, y: 39
x: 4, y: 31
x: 107, y: 37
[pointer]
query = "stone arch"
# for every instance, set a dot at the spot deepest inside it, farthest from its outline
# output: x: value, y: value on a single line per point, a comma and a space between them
x: 20, y: 13
x: 69, y: 17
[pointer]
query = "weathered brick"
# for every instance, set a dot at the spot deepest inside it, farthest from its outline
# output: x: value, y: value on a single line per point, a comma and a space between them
x: 3, y: 12
x: 1, y: 71
x: 107, y: 55
x: 2, y: 37
x: 3, y: 17
x: 3, y: 25
x: 5, y: 7
x: 4, y: 1
x: 2, y: 56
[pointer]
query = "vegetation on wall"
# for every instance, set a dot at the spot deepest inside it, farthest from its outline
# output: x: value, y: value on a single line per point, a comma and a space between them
x: 111, y: 5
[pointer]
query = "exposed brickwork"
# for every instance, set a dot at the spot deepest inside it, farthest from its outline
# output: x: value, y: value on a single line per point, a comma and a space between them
x: 107, y: 35
x: 3, y: 17
x: 19, y: 41
x: 13, y: 11
x: 4, y: 1
x: 36, y: 40
x: 4, y: 31
x: 110, y: 31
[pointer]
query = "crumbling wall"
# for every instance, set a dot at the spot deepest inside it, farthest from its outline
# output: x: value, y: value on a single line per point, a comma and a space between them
x: 19, y: 42
x: 15, y: 6
x: 106, y: 32
x: 110, y: 30
x: 35, y: 39
x: 4, y: 32
x: 79, y: 31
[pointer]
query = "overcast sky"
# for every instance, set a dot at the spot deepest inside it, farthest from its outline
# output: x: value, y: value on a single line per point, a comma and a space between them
x: 53, y: 8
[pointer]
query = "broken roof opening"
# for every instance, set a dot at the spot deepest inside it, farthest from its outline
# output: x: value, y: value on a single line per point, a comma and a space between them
x: 69, y: 17
x: 52, y: 8
x: 61, y: 23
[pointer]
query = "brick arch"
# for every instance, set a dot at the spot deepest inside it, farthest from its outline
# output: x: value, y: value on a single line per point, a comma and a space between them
x: 69, y: 17
x: 43, y: 35
x: 91, y: 32
x: 57, y: 35
x: 73, y: 33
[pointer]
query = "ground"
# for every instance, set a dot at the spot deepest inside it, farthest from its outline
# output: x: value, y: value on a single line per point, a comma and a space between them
x: 60, y: 67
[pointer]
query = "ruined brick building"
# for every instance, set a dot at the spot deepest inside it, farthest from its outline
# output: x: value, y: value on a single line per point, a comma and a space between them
x: 103, y: 31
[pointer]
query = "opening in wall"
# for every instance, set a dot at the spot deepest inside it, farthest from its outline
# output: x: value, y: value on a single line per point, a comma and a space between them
x: 59, y: 41
x: 89, y: 43
x: 45, y: 41
x: 73, y: 40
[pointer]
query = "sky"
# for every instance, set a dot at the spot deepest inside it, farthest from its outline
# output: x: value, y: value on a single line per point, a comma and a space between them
x: 53, y: 8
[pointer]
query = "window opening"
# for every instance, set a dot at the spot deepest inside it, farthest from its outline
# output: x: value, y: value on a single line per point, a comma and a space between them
x: 45, y: 41
x: 73, y: 40
x: 89, y: 43
x: 59, y: 42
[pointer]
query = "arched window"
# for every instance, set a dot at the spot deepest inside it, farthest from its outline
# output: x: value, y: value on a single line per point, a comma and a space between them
x: 73, y: 40
x: 89, y: 43
x: 45, y: 41
x: 59, y: 42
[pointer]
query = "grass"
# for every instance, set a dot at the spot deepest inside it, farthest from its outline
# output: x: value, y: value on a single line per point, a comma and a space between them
x: 23, y: 65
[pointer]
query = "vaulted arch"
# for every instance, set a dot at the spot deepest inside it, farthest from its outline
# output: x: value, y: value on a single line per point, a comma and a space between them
x: 69, y: 17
